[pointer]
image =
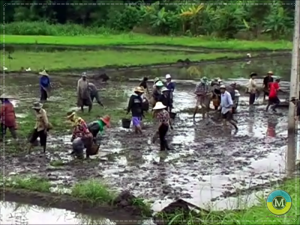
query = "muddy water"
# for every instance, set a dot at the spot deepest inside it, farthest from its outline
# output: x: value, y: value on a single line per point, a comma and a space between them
x: 206, y: 162
x: 15, y: 213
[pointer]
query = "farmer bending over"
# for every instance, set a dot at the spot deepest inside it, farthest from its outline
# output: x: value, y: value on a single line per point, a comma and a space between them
x: 94, y: 93
x: 7, y: 118
x: 81, y: 138
x: 98, y: 126
x: 226, y: 107
x: 163, y: 117
x: 201, y: 94
x: 273, y: 95
x: 135, y: 105
x: 83, y: 93
x: 41, y: 128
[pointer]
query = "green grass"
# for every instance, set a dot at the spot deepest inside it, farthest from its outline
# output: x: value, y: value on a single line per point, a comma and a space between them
x: 93, y: 191
x: 258, y: 214
x: 29, y: 183
x: 138, y: 39
x: 95, y: 59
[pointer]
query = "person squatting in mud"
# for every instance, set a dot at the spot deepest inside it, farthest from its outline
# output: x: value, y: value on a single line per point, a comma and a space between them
x: 41, y: 128
x: 98, y: 126
x: 135, y: 105
x: 201, y: 92
x: 81, y: 138
x: 94, y: 93
x: 163, y: 118
x: 226, y: 108
x: 45, y: 86
x: 156, y: 93
x: 7, y: 117
x: 83, y: 93
x: 165, y: 99
x: 266, y: 83
x: 252, y: 88
x: 273, y: 95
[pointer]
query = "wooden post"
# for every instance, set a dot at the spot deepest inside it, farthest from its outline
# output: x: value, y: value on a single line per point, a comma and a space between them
x: 294, y: 92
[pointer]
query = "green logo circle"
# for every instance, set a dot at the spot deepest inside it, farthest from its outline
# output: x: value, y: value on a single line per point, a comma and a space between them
x: 279, y: 199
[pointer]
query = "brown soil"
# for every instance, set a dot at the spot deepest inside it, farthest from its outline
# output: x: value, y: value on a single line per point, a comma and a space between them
x: 117, y: 213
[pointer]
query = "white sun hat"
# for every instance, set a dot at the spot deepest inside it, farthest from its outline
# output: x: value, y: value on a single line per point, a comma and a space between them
x: 164, y: 89
x: 159, y: 105
x: 168, y: 76
x: 222, y: 87
x: 44, y: 73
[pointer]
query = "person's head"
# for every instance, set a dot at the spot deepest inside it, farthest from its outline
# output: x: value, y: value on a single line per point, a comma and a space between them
x: 253, y: 75
x: 294, y: 100
x: 83, y: 76
x: 37, y: 106
x: 156, y: 80
x: 106, y: 120
x: 222, y: 88
x: 233, y: 85
x: 165, y: 91
x: 168, y: 78
x: 204, y: 79
x: 71, y: 116
x: 139, y: 91
x: 159, y: 84
x: 277, y: 80
x: 159, y: 107
x: 270, y: 73
x: 43, y: 73
x: 145, y: 79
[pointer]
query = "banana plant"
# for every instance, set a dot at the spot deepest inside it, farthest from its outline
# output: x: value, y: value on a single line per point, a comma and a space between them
x: 190, y: 15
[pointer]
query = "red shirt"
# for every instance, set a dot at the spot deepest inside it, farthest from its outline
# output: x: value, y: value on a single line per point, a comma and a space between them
x: 274, y: 87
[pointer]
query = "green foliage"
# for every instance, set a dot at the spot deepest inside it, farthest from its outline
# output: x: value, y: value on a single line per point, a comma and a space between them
x: 272, y: 17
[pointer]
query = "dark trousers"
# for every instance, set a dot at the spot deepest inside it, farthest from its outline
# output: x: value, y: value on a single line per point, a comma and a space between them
x: 44, y: 95
x: 163, y: 129
x: 251, y: 98
x: 3, y: 129
x: 273, y: 101
x: 41, y: 134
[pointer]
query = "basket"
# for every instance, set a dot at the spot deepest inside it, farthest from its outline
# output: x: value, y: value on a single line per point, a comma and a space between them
x: 126, y: 123
x: 172, y: 115
x: 94, y: 149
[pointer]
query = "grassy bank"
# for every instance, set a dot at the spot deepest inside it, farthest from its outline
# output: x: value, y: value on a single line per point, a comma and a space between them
x: 93, y: 191
x: 138, y: 39
x: 95, y: 59
x: 258, y: 214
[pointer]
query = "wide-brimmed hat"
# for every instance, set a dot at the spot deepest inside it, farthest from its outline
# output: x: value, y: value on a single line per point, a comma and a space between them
x: 270, y: 72
x: 168, y: 76
x: 159, y: 84
x: 70, y: 114
x: 164, y: 89
x: 5, y: 96
x: 222, y: 87
x: 218, y: 79
x: 204, y: 78
x: 159, y: 105
x: 156, y: 79
x: 106, y: 120
x: 44, y: 73
x: 253, y: 74
x: 139, y: 90
x: 37, y: 105
x: 83, y: 74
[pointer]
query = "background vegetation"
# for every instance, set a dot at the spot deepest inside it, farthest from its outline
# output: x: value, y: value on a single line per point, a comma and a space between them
x: 248, y: 20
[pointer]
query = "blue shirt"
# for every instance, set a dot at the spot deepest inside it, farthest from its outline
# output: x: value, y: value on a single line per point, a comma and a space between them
x: 226, y: 102
x: 44, y: 81
x: 171, y: 86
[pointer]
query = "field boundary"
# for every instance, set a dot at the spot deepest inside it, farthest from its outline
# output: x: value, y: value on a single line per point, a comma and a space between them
x: 64, y: 201
x: 94, y: 72
x: 186, y: 49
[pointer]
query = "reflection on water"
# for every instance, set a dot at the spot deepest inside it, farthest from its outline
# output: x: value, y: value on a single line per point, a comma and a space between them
x: 15, y: 213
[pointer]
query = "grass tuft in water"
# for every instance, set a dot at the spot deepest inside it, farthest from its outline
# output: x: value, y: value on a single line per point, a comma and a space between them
x: 29, y: 183
x: 57, y: 163
x: 143, y: 206
x: 93, y: 191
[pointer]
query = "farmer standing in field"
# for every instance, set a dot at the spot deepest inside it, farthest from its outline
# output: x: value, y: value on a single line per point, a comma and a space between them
x: 135, y: 105
x: 201, y: 92
x: 81, y: 138
x: 273, y: 95
x: 94, y: 93
x: 156, y: 93
x: 41, y: 128
x: 7, y: 117
x: 45, y: 86
x: 83, y: 93
x: 144, y: 84
x: 165, y: 99
x: 252, y: 88
x: 266, y: 83
x: 170, y: 85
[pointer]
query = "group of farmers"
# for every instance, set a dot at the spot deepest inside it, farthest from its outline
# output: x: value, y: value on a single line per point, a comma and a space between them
x: 225, y: 100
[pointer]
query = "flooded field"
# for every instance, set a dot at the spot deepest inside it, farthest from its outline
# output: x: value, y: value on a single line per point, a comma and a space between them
x: 207, y: 166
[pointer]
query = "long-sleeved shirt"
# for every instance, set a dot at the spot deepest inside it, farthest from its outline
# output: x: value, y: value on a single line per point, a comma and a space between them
x: 252, y: 85
x: 82, y: 87
x: 44, y: 81
x: 96, y: 126
x: 135, y: 105
x: 166, y: 100
x: 42, y: 121
x: 268, y: 80
x: 201, y: 88
x: 226, y: 102
x: 80, y: 129
x: 7, y: 114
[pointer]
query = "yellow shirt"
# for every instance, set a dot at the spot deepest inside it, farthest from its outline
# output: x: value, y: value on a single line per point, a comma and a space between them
x: 41, y: 120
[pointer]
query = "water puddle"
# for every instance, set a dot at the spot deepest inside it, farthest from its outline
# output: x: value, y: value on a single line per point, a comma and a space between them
x: 15, y: 213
